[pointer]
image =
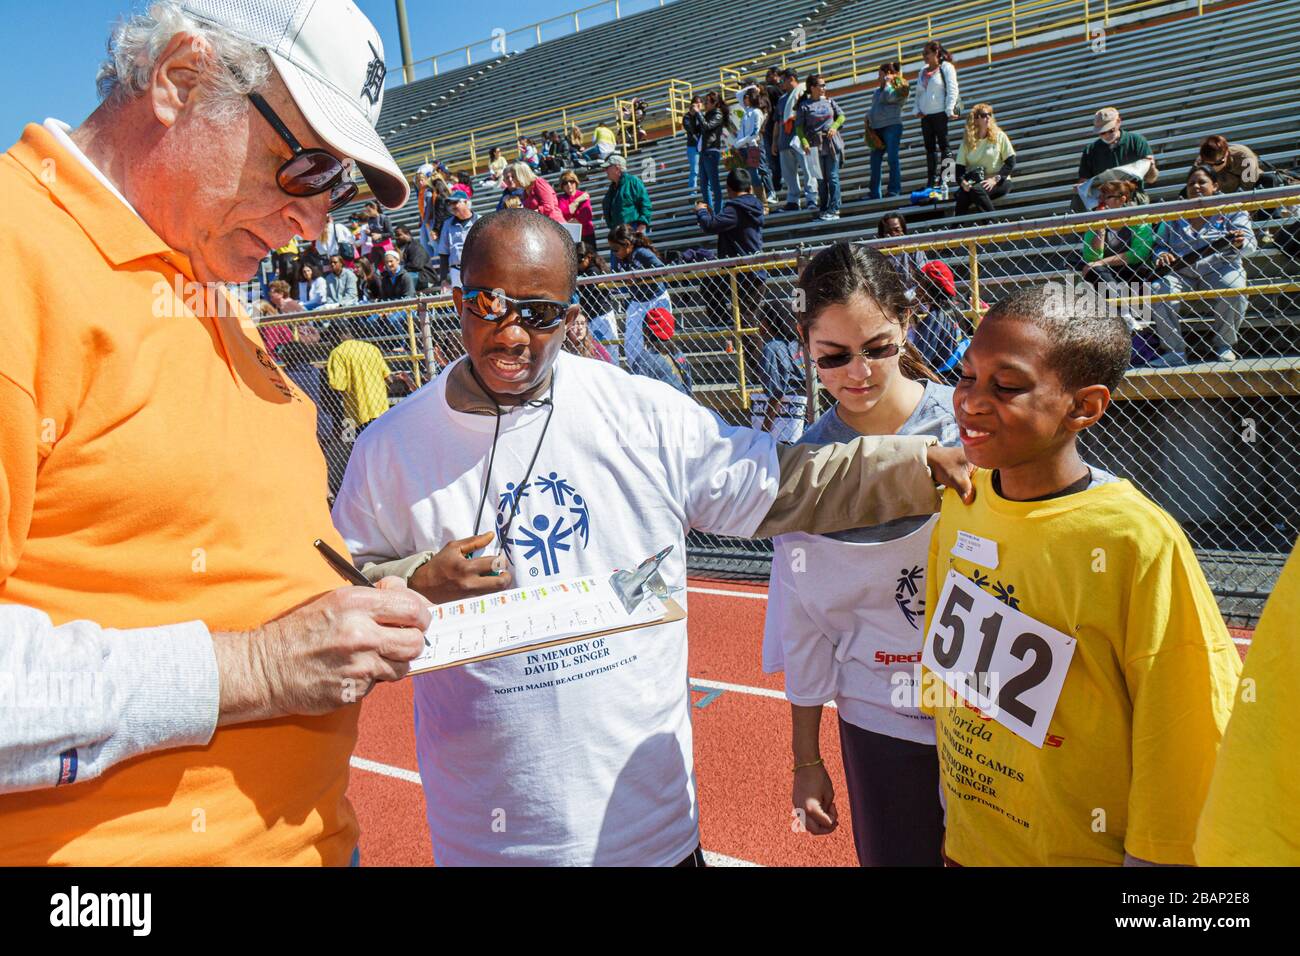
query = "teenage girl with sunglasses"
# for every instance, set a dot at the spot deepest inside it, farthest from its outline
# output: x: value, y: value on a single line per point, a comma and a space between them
x: 846, y: 610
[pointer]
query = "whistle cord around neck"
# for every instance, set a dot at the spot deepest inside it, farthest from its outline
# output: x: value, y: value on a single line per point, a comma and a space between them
x: 549, y: 403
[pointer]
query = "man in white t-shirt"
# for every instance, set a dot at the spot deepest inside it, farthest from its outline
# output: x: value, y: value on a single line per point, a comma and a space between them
x: 578, y: 468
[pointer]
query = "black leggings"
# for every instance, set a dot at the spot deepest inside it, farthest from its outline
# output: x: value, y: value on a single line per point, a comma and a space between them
x: 977, y: 197
x: 893, y: 798
x: 934, y: 129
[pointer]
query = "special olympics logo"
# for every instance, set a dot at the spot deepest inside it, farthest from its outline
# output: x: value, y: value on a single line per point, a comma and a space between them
x: 552, y: 520
x: 908, y: 596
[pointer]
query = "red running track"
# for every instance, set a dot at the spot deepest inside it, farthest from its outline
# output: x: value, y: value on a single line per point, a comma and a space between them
x: 742, y: 751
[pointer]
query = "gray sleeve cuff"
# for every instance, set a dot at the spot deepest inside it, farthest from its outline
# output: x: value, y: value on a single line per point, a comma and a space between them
x: 78, y: 699
x: 170, y: 685
x: 399, y: 567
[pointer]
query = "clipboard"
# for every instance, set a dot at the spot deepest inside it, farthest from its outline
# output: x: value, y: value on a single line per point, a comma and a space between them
x: 581, y: 609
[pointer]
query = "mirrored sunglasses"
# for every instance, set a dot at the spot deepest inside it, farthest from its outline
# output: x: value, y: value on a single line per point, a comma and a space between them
x: 493, y: 305
x: 309, y: 172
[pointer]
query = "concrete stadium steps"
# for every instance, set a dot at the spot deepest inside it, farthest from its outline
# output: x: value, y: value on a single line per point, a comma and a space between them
x: 684, y: 39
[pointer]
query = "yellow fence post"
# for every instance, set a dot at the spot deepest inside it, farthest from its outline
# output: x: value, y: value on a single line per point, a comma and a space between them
x: 900, y: 53
x: 473, y: 156
x: 929, y: 26
x: 1014, y: 39
x: 1087, y: 21
x: 988, y: 41
x: 974, y: 285
x: 410, y: 332
x: 853, y: 56
x: 740, y: 343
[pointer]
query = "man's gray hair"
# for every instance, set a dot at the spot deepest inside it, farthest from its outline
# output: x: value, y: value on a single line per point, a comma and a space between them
x: 236, y: 67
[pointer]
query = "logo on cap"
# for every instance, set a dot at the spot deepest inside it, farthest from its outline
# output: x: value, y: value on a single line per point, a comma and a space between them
x: 375, y: 73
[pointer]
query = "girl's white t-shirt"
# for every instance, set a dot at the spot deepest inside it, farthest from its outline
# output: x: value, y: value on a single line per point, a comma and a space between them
x: 581, y: 758
x: 846, y: 611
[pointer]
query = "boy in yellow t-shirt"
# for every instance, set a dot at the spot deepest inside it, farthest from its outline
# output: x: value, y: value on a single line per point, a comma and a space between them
x: 1097, y: 672
x: 358, y: 370
x: 1252, y: 814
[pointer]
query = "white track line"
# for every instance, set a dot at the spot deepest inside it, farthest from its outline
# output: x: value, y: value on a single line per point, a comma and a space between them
x: 753, y: 595
x: 742, y: 689
x: 717, y: 859
x: 401, y: 773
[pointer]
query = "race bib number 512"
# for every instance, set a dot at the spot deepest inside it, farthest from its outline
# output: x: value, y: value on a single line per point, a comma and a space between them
x: 997, y: 658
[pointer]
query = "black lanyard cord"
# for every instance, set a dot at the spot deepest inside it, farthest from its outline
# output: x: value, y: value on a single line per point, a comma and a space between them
x: 549, y: 402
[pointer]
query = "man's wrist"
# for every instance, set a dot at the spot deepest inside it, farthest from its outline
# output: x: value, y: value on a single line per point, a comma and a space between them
x: 245, y: 687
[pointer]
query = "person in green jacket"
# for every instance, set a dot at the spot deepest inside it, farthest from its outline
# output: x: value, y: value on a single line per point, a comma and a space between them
x: 626, y: 200
x: 1118, y: 257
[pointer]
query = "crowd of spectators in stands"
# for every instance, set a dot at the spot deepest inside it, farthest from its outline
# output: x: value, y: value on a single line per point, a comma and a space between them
x: 784, y: 132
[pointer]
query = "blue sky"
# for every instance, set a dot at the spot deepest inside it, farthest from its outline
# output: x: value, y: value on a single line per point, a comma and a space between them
x: 50, y: 53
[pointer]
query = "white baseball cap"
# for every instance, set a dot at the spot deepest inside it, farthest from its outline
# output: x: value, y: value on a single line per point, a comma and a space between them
x: 332, y: 62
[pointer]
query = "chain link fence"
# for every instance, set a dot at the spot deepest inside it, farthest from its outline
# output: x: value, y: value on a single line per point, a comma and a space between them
x: 1213, y: 440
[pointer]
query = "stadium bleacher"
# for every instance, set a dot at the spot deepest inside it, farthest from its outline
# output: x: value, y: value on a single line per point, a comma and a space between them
x: 1044, y: 101
x: 684, y: 39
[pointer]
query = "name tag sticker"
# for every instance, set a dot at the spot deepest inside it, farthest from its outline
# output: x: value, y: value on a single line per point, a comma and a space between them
x: 977, y: 550
x: 996, y: 658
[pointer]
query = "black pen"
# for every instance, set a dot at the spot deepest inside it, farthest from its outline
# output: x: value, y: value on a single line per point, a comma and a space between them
x: 342, y: 565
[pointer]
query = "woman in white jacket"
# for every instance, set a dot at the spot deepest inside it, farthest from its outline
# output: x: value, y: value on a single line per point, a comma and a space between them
x: 937, y: 94
x: 749, y: 141
x: 846, y: 610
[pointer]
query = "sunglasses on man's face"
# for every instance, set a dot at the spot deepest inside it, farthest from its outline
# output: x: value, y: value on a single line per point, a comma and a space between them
x: 493, y: 305
x: 841, y: 359
x: 309, y: 172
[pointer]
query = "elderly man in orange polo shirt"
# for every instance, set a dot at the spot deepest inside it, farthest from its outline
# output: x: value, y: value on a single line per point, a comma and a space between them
x: 179, y: 667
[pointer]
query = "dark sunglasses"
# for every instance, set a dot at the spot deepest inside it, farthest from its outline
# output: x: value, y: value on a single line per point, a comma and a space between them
x: 493, y: 305
x: 310, y: 171
x: 982, y: 115
x: 841, y: 359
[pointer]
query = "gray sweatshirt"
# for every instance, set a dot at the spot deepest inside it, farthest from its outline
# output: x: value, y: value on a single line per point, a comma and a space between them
x: 886, y: 107
x: 77, y: 699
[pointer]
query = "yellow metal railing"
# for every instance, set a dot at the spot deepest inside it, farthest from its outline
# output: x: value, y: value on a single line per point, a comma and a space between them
x: 723, y: 299
x: 850, y: 56
x: 628, y: 128
x: 296, y: 320
x: 971, y: 246
x: 679, y: 102
x: 468, y: 146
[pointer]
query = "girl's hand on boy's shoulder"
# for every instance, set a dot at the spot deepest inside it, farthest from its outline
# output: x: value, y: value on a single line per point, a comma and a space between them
x: 949, y: 467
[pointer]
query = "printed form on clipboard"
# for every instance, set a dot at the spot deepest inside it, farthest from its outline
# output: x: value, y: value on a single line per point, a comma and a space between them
x: 544, y: 615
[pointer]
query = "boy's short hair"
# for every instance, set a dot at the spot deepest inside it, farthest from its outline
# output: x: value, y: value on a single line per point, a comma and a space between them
x: 1090, y: 343
x: 739, y: 180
